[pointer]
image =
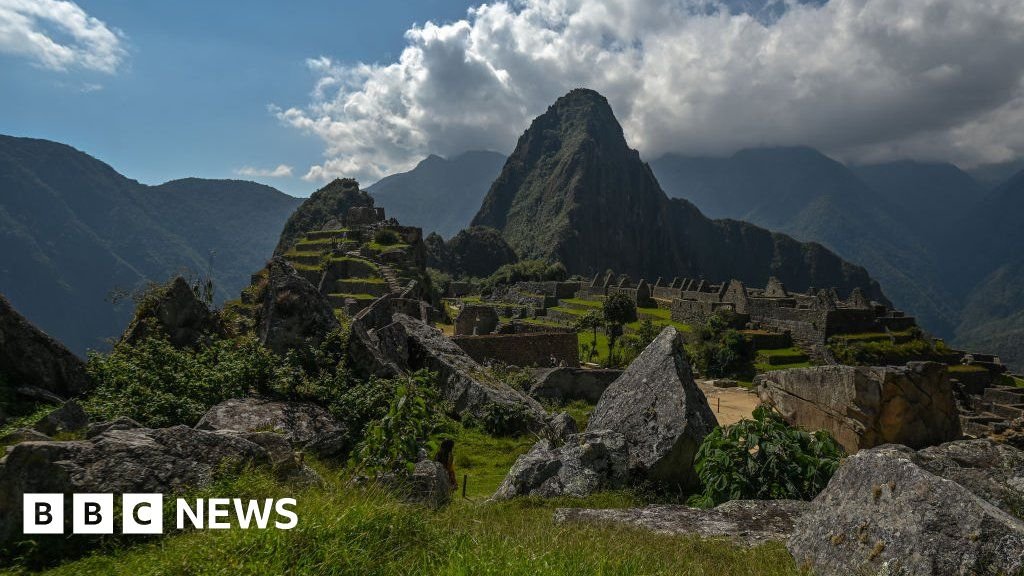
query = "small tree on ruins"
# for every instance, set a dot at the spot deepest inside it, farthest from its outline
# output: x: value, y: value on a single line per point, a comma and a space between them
x: 590, y: 321
x: 618, y: 309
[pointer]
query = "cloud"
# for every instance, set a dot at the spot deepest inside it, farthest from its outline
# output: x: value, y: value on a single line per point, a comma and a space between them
x: 281, y: 171
x: 59, y: 35
x: 859, y: 79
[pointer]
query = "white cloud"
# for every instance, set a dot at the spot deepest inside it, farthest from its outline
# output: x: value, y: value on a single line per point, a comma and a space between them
x: 59, y: 35
x: 281, y: 171
x: 860, y: 79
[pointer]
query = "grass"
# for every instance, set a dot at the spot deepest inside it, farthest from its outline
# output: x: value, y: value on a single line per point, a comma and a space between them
x: 347, y: 530
x: 355, y: 296
x: 781, y: 356
x: 966, y: 369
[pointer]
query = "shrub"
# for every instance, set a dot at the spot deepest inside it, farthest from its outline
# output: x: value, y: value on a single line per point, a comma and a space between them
x: 764, y: 459
x: 503, y: 419
x: 718, y: 350
x: 522, y: 271
x: 393, y: 442
x: 386, y: 237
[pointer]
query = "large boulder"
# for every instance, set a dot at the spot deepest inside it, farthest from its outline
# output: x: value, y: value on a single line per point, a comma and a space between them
x: 584, y: 463
x: 70, y: 417
x: 865, y: 406
x: 31, y: 359
x: 746, y: 522
x: 660, y: 411
x: 303, y: 424
x: 293, y: 314
x: 889, y: 508
x: 410, y: 345
x: 142, y: 460
x: 565, y: 384
x: 429, y: 484
x: 175, y: 311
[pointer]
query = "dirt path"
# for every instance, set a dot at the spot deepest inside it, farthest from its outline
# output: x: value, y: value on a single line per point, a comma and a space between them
x: 730, y: 405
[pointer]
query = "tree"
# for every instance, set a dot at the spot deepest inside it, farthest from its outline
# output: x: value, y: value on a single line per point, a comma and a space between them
x: 590, y: 321
x: 618, y: 309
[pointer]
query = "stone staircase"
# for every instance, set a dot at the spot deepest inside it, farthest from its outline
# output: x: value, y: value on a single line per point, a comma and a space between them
x: 391, y: 278
x: 998, y: 409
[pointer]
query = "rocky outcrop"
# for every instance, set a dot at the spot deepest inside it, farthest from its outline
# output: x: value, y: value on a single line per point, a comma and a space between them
x: 566, y: 384
x: 164, y: 460
x: 294, y: 314
x: 31, y: 359
x: 660, y: 411
x: 68, y: 418
x: 864, y: 406
x: 407, y: 345
x: 746, y: 522
x: 19, y: 435
x: 302, y: 424
x: 560, y: 427
x: 119, y: 423
x: 908, y: 513
x: 429, y: 484
x: 585, y: 463
x: 175, y: 311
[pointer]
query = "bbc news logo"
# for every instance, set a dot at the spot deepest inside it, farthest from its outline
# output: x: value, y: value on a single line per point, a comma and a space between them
x: 144, y: 513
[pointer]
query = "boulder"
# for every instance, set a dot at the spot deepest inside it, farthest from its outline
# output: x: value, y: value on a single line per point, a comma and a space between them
x: 884, y: 510
x: 585, y: 463
x: 293, y: 314
x: 745, y: 522
x: 560, y: 427
x: 31, y: 359
x: 68, y: 418
x: 164, y: 460
x: 410, y: 345
x: 19, y: 435
x: 175, y: 311
x: 658, y: 408
x: 865, y: 406
x: 429, y: 484
x: 119, y: 423
x: 565, y: 384
x: 302, y: 424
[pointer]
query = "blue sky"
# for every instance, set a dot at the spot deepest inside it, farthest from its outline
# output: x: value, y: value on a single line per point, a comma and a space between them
x: 164, y: 90
x: 192, y: 96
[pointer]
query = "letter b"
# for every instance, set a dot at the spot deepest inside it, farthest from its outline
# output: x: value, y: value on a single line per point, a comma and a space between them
x: 43, y: 514
x: 93, y: 514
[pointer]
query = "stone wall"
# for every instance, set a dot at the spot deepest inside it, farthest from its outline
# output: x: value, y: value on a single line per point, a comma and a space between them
x: 542, y: 349
x: 866, y: 406
x: 476, y: 319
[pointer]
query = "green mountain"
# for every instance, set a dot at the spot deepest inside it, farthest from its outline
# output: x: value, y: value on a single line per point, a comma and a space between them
x: 574, y: 191
x: 439, y: 195
x: 804, y: 193
x: 73, y: 230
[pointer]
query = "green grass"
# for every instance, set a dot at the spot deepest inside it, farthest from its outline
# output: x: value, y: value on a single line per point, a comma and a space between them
x: 584, y: 303
x: 587, y: 337
x: 355, y: 296
x: 966, y: 368
x: 381, y: 248
x: 781, y: 356
x: 348, y: 530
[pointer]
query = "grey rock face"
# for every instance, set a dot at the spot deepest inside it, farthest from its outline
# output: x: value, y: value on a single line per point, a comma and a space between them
x: 883, y: 509
x: 746, y: 522
x: 19, y: 435
x: 560, y: 427
x: 294, y: 313
x: 992, y: 471
x: 585, y: 463
x: 412, y: 345
x: 165, y: 460
x: 660, y: 411
x: 866, y: 406
x: 300, y: 423
x: 29, y: 358
x: 566, y: 384
x: 119, y: 423
x: 68, y: 418
x: 429, y: 484
x: 179, y: 314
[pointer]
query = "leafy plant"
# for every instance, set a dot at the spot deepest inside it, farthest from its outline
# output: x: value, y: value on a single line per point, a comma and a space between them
x: 393, y: 442
x: 503, y: 419
x: 386, y: 237
x: 764, y: 459
x: 718, y: 350
x: 617, y: 310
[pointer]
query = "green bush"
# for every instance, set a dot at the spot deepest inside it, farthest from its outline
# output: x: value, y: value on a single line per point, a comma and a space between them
x: 764, y: 459
x: 386, y: 237
x: 503, y: 419
x: 522, y: 271
x: 718, y: 350
x: 160, y: 385
x: 393, y: 442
